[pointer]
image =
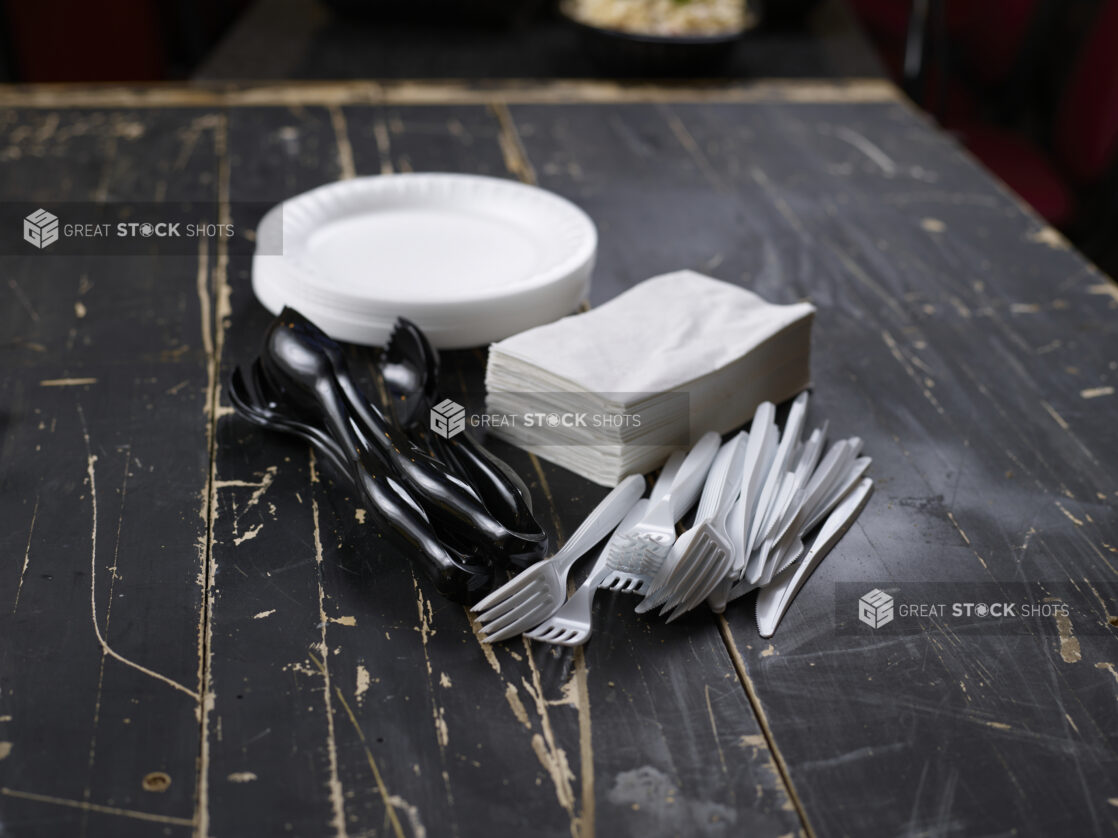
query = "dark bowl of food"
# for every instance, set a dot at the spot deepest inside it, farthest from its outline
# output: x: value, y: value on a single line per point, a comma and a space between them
x: 624, y: 39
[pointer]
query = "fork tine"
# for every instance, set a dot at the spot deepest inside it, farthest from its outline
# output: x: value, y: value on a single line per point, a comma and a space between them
x: 516, y: 618
x: 515, y: 584
x: 516, y: 628
x: 689, y: 569
x: 547, y: 632
x: 714, y: 577
x: 540, y: 632
x: 709, y: 568
x: 658, y: 595
x: 503, y: 607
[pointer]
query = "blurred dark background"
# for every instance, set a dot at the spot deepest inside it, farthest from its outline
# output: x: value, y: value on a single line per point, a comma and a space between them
x: 1029, y: 86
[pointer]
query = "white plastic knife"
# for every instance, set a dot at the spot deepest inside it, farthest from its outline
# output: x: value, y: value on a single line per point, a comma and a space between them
x: 774, y: 599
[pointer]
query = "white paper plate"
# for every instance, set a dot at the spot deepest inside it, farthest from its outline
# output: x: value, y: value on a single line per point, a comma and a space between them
x: 469, y: 259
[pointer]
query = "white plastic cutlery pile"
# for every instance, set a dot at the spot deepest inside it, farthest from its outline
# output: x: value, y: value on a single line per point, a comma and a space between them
x: 761, y: 493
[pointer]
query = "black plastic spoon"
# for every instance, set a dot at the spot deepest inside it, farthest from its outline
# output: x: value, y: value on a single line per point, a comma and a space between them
x: 410, y: 368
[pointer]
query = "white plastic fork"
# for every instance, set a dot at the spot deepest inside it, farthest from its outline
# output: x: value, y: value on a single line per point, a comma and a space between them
x: 571, y: 624
x: 637, y: 555
x: 835, y: 478
x: 536, y: 593
x: 709, y: 550
x: 789, y: 439
x: 760, y: 451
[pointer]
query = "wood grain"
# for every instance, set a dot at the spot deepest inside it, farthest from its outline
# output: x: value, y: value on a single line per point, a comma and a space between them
x: 183, y: 593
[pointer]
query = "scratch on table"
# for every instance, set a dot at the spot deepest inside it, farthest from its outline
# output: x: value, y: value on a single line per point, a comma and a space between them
x: 426, y: 615
x: 1050, y: 237
x: 344, y: 621
x: 113, y: 576
x: 512, y: 696
x: 191, y: 133
x: 1096, y: 392
x: 363, y: 682
x: 895, y: 349
x: 871, y: 150
x: 261, y: 485
x: 346, y: 167
x: 1069, y: 643
x: 201, y: 283
x: 66, y: 382
x: 1069, y: 515
x: 23, y: 300
x: 486, y: 648
x: 1108, y: 289
x: 26, y: 553
x: 551, y: 756
x: 692, y: 148
x: 91, y: 460
x: 1057, y: 418
x: 248, y: 535
x: 337, y: 797
x: 261, y: 615
x: 390, y: 810
x: 586, y: 818
x: 1108, y: 667
x: 418, y: 830
x: 96, y: 807
x: 213, y: 341
x: 242, y: 777
x: 5, y: 749
x: 778, y: 200
x: 512, y: 148
x: 384, y: 143
x: 717, y: 738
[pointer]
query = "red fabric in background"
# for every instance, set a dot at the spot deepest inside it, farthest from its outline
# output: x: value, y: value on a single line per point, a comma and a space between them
x: 993, y: 37
x: 1024, y: 167
x: 72, y: 40
x: 1086, y: 136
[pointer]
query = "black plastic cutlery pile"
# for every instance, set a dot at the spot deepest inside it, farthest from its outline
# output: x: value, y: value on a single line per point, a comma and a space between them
x: 458, y: 511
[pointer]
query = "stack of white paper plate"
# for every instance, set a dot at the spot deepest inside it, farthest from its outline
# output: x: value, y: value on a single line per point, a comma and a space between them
x: 469, y: 259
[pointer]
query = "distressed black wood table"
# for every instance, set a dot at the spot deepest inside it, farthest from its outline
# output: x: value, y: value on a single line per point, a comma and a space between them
x: 198, y: 635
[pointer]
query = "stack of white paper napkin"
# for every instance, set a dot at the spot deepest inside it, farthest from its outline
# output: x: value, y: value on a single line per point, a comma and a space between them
x: 615, y: 390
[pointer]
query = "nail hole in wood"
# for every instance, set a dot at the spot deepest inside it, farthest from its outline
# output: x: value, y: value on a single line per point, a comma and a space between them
x: 157, y: 781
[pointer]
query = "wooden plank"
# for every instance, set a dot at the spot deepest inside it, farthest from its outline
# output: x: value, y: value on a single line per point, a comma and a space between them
x: 963, y: 341
x: 104, y: 463
x: 419, y: 92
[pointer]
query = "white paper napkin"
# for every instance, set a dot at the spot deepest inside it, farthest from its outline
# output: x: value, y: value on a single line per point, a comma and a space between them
x: 658, y: 336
